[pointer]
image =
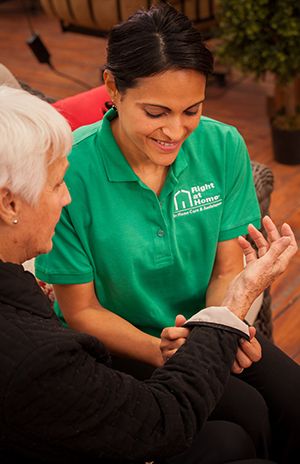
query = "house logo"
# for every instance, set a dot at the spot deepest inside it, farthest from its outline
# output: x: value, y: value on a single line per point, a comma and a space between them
x: 197, y: 199
x: 182, y: 199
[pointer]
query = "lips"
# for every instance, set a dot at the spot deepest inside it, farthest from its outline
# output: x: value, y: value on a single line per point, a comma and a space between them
x: 166, y: 146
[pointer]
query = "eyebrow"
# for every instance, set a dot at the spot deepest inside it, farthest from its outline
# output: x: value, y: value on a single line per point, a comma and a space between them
x: 169, y: 109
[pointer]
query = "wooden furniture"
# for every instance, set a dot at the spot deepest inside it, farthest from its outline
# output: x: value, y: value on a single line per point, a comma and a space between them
x: 96, y: 17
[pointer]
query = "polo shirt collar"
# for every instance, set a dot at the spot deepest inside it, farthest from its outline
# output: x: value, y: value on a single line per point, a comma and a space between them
x: 179, y: 164
x: 116, y: 165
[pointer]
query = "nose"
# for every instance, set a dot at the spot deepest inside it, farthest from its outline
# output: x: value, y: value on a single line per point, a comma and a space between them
x: 66, y: 197
x: 175, y: 129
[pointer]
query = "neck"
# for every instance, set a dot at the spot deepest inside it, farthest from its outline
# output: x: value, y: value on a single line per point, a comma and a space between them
x: 151, y: 174
x: 10, y: 250
x: 10, y: 258
x: 153, y: 178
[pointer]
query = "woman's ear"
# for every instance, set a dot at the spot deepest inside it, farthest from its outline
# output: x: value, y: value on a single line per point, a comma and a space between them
x: 110, y: 85
x: 9, y: 209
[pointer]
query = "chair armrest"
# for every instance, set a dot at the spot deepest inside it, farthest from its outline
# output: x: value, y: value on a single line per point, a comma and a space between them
x: 264, y: 184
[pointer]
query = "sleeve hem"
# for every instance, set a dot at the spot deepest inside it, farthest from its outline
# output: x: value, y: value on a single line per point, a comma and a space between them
x: 219, y: 317
x: 64, y: 278
x: 240, y: 230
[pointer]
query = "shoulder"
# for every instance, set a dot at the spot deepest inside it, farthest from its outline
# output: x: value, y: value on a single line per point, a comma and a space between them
x: 209, y: 127
x: 93, y: 133
x: 215, y: 142
x: 85, y: 152
x: 86, y: 134
x: 91, y: 141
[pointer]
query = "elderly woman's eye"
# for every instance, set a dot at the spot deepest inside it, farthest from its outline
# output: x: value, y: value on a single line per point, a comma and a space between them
x: 59, y: 184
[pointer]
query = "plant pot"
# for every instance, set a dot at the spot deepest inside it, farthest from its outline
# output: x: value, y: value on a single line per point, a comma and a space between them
x: 286, y: 145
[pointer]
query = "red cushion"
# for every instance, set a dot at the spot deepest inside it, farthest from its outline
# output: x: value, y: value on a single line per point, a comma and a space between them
x: 84, y: 108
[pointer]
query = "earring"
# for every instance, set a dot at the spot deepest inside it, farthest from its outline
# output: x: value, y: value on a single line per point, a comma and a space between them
x: 114, y: 106
x: 15, y: 221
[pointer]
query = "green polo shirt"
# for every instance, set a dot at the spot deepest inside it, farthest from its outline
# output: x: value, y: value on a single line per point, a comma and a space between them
x: 150, y: 256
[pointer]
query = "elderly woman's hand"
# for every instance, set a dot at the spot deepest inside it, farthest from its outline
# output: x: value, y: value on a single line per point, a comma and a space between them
x: 262, y: 268
x: 172, y: 338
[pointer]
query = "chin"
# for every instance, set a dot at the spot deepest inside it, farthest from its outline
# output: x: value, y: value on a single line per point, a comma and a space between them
x: 45, y: 249
x: 166, y: 160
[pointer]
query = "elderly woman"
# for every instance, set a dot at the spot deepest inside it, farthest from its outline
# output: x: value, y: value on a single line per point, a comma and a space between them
x: 60, y: 402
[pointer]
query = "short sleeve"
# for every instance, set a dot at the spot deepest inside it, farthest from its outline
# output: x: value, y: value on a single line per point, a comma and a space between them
x: 240, y: 201
x: 67, y: 262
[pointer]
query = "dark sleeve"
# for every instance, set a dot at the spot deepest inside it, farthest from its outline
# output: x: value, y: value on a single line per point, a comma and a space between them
x: 62, y: 398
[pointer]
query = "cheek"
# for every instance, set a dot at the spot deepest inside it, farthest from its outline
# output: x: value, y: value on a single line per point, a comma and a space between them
x: 153, y: 126
x: 52, y: 213
x: 140, y: 126
x: 194, y: 123
x: 57, y: 209
x: 143, y: 128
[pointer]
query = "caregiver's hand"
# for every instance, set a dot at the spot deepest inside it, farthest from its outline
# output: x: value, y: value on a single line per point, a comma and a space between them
x: 173, y: 338
x: 247, y: 353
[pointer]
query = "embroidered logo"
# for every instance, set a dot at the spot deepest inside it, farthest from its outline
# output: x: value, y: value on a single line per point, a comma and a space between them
x: 195, y: 200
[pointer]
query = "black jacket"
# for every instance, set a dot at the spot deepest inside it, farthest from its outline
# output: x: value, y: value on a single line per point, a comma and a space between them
x: 60, y: 402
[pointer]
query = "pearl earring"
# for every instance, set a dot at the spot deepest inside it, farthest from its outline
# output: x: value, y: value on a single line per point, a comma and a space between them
x: 15, y: 221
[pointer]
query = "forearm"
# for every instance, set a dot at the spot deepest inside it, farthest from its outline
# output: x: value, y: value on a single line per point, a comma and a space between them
x: 240, y: 296
x: 228, y: 264
x: 217, y: 288
x: 201, y: 365
x: 155, y: 418
x: 118, y: 335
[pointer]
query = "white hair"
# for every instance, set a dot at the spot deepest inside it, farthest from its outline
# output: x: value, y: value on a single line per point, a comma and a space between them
x: 32, y: 135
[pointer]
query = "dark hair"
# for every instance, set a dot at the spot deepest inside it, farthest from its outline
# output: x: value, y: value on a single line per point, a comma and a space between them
x: 153, y: 41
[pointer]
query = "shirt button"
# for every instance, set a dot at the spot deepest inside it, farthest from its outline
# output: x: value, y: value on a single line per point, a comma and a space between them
x: 160, y: 233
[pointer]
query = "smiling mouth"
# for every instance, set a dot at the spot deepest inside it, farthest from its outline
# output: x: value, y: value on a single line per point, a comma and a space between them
x: 164, y: 144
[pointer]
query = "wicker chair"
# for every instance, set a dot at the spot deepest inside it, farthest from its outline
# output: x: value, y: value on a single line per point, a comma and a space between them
x: 264, y: 183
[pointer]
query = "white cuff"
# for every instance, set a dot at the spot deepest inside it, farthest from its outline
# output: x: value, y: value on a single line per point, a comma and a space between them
x: 219, y: 317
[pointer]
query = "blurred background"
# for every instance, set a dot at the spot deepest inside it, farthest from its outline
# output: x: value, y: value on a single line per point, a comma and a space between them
x: 58, y: 47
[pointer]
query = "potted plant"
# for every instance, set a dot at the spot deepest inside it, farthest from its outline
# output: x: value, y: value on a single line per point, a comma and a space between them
x: 262, y: 37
